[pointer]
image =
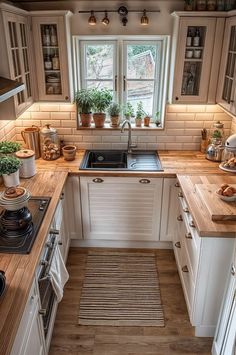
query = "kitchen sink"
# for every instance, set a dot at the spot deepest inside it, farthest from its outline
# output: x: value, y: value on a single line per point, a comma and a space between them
x: 121, y: 160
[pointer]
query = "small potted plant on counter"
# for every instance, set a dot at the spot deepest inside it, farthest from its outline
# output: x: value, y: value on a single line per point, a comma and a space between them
x: 147, y: 119
x: 8, y: 147
x: 9, y: 170
x: 139, y: 114
x: 101, y: 100
x: 157, y: 119
x: 114, y: 112
x: 84, y: 104
x: 128, y: 111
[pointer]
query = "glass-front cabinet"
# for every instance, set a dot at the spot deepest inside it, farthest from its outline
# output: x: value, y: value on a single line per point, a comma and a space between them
x: 196, y: 62
x: 19, y: 57
x: 52, y: 57
x: 226, y: 95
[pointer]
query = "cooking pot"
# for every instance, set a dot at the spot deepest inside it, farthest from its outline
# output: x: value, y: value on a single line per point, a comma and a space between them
x: 15, y: 220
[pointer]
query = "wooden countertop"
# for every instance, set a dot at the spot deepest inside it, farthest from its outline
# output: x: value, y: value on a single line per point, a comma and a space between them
x: 20, y: 269
x: 202, y: 219
x: 173, y: 163
x: 49, y: 181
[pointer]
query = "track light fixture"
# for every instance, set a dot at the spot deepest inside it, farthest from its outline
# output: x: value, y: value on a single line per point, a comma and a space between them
x: 92, y: 19
x: 122, y: 12
x: 144, y: 19
x: 105, y: 20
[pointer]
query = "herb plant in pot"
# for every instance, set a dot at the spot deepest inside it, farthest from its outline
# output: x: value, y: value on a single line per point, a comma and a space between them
x: 9, y: 170
x: 139, y: 114
x: 146, y: 119
x: 128, y: 111
x: 114, y: 112
x: 101, y: 101
x: 84, y: 104
x: 9, y: 148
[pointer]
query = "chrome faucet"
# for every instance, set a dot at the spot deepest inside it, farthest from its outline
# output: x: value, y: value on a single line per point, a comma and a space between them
x: 130, y: 144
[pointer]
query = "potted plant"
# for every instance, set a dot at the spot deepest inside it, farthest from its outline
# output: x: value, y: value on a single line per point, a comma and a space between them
x: 7, y: 147
x: 84, y: 104
x: 139, y: 114
x: 101, y: 100
x: 147, y: 119
x: 128, y: 111
x: 9, y: 170
x: 157, y: 119
x: 114, y: 112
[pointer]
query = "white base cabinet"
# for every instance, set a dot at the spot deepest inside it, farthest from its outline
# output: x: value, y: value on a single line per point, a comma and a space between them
x: 121, y: 208
x: 168, y: 209
x: 203, y: 265
x: 73, y: 208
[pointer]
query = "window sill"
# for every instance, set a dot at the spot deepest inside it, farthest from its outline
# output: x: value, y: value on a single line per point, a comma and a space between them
x: 107, y: 125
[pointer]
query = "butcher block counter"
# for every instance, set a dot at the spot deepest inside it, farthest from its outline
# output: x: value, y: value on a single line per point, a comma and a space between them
x: 20, y: 269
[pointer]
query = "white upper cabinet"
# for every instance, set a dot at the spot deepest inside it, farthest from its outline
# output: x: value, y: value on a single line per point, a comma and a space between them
x: 226, y: 94
x: 51, y: 31
x: 16, y: 58
x: 196, y: 53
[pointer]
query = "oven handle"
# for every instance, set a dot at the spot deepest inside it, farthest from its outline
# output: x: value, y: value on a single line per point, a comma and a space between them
x: 49, y: 262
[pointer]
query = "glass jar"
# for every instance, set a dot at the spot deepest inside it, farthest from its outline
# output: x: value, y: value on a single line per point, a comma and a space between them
x: 201, y: 5
x: 211, y: 5
x: 217, y: 133
x: 49, y: 143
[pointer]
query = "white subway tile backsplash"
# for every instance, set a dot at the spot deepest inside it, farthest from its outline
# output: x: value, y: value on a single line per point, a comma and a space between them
x: 40, y: 115
x: 102, y: 146
x: 222, y: 117
x: 60, y: 116
x: 64, y: 130
x: 191, y: 146
x: 204, y: 116
x: 196, y: 108
x: 173, y: 146
x: 84, y: 145
x: 68, y: 108
x: 184, y: 139
x: 147, y: 139
x: 49, y: 107
x: 213, y: 108
x: 185, y: 116
x: 111, y: 139
x: 195, y: 124
x: 68, y: 123
x: 175, y: 132
x: 176, y: 108
x: 92, y: 139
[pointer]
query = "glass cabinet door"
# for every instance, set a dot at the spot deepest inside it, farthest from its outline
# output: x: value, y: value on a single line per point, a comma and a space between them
x: 51, y: 59
x: 193, y: 63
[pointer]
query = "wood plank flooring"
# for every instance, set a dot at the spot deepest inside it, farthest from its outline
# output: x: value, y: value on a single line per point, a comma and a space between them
x: 177, y: 337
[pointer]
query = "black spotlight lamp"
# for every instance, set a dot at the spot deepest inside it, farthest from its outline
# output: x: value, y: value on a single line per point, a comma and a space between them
x: 92, y: 19
x: 105, y: 20
x: 144, y: 19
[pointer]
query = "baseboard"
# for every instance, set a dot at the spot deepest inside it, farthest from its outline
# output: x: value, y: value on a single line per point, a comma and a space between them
x: 205, y: 331
x: 119, y: 244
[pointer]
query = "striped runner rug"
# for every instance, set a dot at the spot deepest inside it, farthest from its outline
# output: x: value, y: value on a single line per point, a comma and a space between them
x: 121, y: 289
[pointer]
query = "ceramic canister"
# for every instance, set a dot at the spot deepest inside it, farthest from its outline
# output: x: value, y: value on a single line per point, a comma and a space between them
x: 27, y: 157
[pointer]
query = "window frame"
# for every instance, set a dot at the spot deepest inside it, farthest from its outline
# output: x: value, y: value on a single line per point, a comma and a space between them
x: 163, y: 41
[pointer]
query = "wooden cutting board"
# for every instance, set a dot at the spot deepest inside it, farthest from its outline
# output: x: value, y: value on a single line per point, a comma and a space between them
x: 218, y: 209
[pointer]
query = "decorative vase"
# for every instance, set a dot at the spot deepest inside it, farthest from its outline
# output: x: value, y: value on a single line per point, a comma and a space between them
x: 146, y: 121
x: 85, y: 119
x: 138, y: 122
x: 69, y: 152
x: 115, y: 121
x: 99, y: 119
x: 11, y: 179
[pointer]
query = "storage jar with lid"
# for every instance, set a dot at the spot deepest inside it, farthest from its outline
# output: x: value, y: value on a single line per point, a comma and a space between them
x: 27, y: 167
x: 217, y: 133
x: 50, y: 143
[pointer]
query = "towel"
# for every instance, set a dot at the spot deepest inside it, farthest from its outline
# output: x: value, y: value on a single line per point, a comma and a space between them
x: 58, y: 274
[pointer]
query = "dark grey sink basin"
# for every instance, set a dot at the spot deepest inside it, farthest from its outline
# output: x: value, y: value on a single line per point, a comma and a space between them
x: 121, y: 160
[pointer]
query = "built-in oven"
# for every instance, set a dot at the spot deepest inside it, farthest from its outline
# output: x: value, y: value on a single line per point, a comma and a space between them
x: 48, y: 297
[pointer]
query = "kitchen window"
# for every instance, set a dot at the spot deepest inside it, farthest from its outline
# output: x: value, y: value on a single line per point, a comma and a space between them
x: 134, y: 69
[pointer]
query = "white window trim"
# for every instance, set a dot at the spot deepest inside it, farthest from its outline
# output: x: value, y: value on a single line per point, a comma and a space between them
x: 120, y: 39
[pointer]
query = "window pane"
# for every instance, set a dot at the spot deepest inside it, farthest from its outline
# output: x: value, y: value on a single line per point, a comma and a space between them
x: 141, y: 61
x: 100, y: 85
x: 99, y: 61
x: 141, y: 91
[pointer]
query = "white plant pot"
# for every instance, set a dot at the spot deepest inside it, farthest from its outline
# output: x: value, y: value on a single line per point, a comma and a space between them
x: 12, y: 179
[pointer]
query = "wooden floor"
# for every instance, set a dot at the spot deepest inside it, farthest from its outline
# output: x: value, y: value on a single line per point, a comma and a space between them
x: 177, y: 337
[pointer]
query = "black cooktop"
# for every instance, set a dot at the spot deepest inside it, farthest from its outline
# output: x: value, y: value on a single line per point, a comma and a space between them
x: 23, y: 244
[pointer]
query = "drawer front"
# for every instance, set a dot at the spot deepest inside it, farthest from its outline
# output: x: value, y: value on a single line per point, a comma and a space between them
x: 187, y: 282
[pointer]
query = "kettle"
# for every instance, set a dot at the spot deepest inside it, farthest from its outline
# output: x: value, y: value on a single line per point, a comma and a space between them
x: 214, y: 150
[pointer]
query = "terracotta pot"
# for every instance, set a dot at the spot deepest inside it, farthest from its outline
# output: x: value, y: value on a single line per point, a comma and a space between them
x: 138, y: 122
x: 146, y: 121
x: 69, y: 152
x: 85, y: 119
x: 115, y: 121
x: 99, y: 119
x: 11, y: 180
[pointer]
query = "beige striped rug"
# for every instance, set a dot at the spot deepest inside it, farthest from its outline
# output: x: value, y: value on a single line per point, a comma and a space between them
x: 121, y: 289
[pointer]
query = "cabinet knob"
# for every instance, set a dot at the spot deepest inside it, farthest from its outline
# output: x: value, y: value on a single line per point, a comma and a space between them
x: 176, y: 98
x: 177, y: 184
x: 180, y: 194
x: 62, y: 196
x: 66, y: 98
x: 188, y: 236
x: 185, y: 268
x: 177, y: 245
x: 54, y: 231
x: 98, y: 180
x: 233, y: 270
x: 179, y: 218
x: 60, y: 243
x: 144, y: 181
x: 186, y: 210
x: 192, y: 224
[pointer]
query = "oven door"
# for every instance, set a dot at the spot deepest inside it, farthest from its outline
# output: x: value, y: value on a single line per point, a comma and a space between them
x: 48, y: 299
